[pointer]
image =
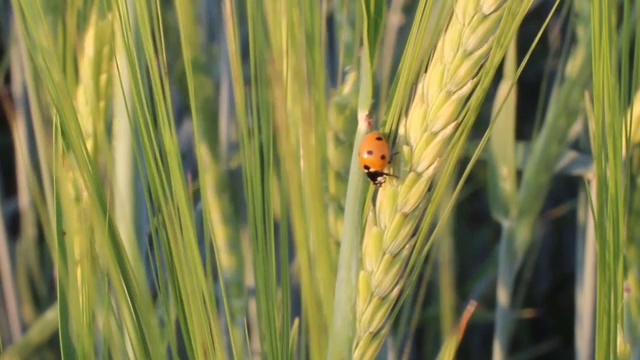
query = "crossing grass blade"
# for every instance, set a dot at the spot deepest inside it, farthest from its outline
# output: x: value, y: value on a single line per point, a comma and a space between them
x: 49, y: 65
x: 610, y: 132
x: 340, y: 133
x: 109, y: 292
x: 341, y: 126
x: 631, y: 300
x: 38, y: 334
x: 450, y: 346
x: 502, y: 164
x: 277, y: 128
x: 547, y: 147
x: 218, y: 207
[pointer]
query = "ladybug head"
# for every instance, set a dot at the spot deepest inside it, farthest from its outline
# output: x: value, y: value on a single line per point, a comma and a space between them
x: 377, y: 177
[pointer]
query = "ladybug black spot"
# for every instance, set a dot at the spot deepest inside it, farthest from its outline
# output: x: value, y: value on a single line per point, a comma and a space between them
x: 369, y: 152
x: 379, y: 138
x: 367, y: 168
x: 382, y: 157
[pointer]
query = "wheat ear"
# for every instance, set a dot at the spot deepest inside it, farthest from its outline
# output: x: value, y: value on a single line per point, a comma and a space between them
x: 430, y: 123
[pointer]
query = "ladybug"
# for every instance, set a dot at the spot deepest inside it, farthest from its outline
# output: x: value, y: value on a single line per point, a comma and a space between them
x: 374, y: 157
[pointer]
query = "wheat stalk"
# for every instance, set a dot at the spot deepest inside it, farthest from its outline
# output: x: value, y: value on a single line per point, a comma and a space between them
x: 430, y: 124
x: 341, y: 130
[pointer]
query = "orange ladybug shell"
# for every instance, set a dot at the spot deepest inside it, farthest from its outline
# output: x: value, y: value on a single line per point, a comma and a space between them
x: 374, y: 152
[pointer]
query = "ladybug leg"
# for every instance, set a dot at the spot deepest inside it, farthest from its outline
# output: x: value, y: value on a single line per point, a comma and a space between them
x: 378, y: 177
x: 391, y: 157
